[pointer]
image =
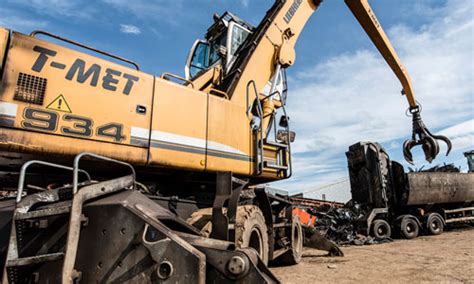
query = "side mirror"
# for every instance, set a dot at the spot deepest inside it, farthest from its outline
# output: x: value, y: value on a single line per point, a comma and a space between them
x: 282, y: 135
x: 284, y: 121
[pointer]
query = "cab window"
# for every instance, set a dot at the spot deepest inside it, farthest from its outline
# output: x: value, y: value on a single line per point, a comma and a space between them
x: 200, y: 60
x: 238, y: 37
x: 218, y: 43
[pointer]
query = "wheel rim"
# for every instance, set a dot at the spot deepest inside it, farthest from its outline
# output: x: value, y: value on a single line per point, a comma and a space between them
x: 382, y: 230
x: 255, y: 241
x: 435, y: 225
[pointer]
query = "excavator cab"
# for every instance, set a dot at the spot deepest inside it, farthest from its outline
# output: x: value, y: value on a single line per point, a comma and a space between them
x: 223, y: 39
x: 220, y: 48
x: 212, y: 58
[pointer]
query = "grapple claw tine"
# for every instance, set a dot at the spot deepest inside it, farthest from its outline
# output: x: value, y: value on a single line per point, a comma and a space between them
x: 444, y: 139
x: 407, y: 145
x: 448, y: 143
x: 422, y: 136
x: 430, y: 148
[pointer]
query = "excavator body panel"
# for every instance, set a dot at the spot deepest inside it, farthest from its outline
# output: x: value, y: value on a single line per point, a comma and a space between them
x: 58, y: 102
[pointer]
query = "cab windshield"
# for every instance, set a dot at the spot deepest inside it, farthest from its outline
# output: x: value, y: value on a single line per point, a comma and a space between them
x: 206, y: 54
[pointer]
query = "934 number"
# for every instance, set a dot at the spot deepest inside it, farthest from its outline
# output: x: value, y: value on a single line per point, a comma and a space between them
x: 43, y: 120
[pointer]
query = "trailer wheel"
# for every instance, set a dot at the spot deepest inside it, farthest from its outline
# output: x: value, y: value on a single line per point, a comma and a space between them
x: 381, y: 229
x: 251, y: 230
x: 294, y: 254
x: 409, y: 228
x: 434, y: 224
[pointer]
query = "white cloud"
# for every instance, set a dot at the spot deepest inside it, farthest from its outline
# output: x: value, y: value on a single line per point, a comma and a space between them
x: 60, y: 8
x: 461, y: 135
x: 355, y: 97
x: 158, y: 10
x: 130, y: 29
x: 12, y: 20
x: 245, y: 3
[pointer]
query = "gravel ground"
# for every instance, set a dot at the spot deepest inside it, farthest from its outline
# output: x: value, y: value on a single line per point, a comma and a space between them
x: 447, y: 258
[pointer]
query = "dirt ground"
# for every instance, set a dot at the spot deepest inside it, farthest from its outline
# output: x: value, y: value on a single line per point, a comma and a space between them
x: 447, y: 258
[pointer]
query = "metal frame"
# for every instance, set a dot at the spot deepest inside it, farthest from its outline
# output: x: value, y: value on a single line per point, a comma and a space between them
x: 25, y: 166
x: 98, y: 157
x: 225, y: 191
x: 74, y: 227
x: 259, y: 142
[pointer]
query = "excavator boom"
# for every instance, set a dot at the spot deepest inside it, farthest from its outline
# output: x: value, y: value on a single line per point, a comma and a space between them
x: 369, y: 22
x: 420, y: 134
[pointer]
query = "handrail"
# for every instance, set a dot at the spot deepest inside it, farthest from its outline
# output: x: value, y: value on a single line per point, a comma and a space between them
x: 98, y: 157
x: 290, y: 166
x: 21, y: 181
x: 287, y: 128
x: 219, y: 92
x: 167, y: 74
x: 37, y: 32
x: 260, y: 127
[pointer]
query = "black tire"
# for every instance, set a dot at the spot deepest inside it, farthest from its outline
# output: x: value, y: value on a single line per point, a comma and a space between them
x: 251, y: 230
x: 409, y: 228
x: 434, y: 224
x: 295, y: 253
x: 381, y: 229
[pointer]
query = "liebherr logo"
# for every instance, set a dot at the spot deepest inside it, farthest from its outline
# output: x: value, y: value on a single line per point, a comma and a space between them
x: 291, y: 12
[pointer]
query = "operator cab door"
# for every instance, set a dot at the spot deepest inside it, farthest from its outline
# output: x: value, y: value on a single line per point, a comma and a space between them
x: 198, y: 59
x: 202, y: 57
x: 224, y: 49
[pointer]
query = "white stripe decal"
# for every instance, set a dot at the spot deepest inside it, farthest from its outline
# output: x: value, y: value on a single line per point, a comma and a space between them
x: 8, y: 109
x: 211, y: 145
x: 138, y: 132
x: 178, y: 139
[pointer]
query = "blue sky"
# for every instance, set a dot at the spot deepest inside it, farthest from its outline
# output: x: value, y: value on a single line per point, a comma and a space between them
x: 341, y: 91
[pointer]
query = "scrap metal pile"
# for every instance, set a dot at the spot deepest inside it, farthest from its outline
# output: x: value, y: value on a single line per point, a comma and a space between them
x: 335, y: 221
x: 340, y: 225
x: 445, y: 168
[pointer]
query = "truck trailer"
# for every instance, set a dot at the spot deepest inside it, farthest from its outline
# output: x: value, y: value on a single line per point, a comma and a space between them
x: 406, y: 204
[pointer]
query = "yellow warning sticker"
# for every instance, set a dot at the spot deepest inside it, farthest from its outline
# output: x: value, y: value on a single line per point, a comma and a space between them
x: 59, y: 104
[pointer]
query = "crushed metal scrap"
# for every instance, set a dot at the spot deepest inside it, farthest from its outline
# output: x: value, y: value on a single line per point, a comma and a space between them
x: 340, y: 225
x: 335, y: 223
x: 445, y: 168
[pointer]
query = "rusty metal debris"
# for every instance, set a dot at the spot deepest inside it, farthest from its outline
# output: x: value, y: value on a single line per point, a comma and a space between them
x: 315, y: 239
x: 340, y: 225
x: 445, y: 168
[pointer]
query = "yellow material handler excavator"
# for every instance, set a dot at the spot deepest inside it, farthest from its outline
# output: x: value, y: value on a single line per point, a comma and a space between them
x: 200, y: 145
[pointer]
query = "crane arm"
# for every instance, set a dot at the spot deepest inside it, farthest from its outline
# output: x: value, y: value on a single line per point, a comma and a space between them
x: 420, y: 133
x: 367, y: 19
x: 271, y: 47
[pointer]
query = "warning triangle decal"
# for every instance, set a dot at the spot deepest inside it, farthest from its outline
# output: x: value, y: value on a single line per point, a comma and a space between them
x: 59, y: 104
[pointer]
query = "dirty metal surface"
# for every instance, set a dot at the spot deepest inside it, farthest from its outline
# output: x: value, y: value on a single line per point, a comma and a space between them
x: 439, y: 188
x: 129, y: 238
